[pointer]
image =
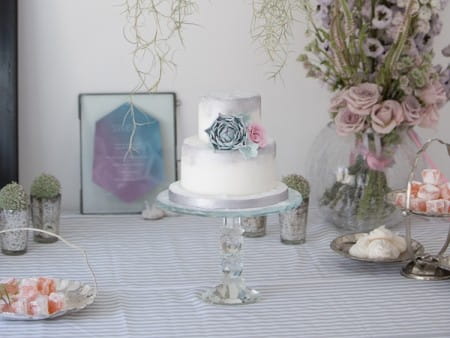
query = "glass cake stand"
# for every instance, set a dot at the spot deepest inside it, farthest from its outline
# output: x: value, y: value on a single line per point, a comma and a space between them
x: 232, y: 289
x: 426, y: 266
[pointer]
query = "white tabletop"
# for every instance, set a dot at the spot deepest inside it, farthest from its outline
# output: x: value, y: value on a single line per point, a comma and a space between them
x: 150, y: 274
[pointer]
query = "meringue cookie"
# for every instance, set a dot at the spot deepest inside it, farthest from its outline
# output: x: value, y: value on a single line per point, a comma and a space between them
x: 382, y: 249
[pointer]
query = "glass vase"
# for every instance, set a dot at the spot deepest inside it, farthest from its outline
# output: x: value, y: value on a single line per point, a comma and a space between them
x: 14, y: 243
x: 351, y: 175
x: 45, y: 214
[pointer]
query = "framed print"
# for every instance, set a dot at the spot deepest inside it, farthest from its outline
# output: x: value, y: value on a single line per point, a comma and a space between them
x: 128, y: 150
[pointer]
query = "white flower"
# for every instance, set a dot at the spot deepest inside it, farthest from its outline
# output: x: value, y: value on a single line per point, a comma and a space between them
x: 402, y: 3
x: 424, y: 2
x: 425, y: 13
x: 373, y: 48
x: 422, y: 26
x: 382, y: 17
x: 435, y: 5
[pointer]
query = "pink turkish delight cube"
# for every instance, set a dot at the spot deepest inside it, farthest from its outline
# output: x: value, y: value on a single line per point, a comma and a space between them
x: 400, y: 199
x: 418, y: 204
x: 20, y: 306
x: 447, y: 206
x: 415, y: 186
x: 431, y: 176
x: 39, y: 306
x: 436, y: 207
x: 429, y: 192
x: 445, y: 191
x: 55, y: 302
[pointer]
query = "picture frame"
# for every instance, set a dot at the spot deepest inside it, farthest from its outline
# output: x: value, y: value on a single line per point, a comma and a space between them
x: 128, y: 147
x: 9, y: 144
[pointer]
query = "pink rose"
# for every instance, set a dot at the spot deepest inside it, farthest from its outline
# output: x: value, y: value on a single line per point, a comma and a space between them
x: 412, y: 110
x: 337, y: 102
x: 257, y: 134
x: 433, y: 94
x: 386, y: 116
x: 348, y: 122
x: 360, y: 99
x: 430, y: 117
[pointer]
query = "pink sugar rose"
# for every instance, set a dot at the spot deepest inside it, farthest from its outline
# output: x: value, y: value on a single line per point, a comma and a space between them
x: 433, y: 94
x: 360, y: 99
x: 348, y: 122
x: 257, y: 134
x: 430, y: 117
x: 412, y: 110
x: 386, y: 116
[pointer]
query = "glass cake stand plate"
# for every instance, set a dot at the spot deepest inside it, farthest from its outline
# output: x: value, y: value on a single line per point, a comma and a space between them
x: 342, y: 246
x: 233, y: 289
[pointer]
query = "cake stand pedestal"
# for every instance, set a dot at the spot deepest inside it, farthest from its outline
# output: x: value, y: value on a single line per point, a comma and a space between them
x: 232, y: 289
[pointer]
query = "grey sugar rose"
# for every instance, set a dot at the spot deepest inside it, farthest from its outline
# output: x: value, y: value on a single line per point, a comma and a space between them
x: 227, y: 133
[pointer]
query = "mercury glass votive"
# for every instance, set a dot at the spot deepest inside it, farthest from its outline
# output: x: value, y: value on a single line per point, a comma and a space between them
x: 254, y: 226
x: 14, y: 242
x: 293, y: 225
x: 45, y: 214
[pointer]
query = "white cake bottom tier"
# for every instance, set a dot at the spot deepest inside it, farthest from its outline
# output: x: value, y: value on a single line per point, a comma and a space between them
x: 210, y: 172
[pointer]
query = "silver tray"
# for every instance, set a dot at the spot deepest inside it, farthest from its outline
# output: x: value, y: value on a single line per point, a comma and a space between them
x: 77, y: 296
x: 342, y: 245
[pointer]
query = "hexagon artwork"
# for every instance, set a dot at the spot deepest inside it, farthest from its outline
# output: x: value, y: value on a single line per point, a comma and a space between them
x: 128, y: 156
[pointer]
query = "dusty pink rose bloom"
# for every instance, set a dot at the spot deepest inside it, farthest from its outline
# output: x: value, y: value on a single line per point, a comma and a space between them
x: 433, y: 94
x: 386, y: 116
x: 348, y: 122
x: 412, y: 110
x: 257, y: 134
x: 430, y: 117
x: 337, y: 102
x: 360, y: 99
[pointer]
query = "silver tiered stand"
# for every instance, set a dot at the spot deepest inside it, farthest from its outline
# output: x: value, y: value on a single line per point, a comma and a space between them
x: 232, y: 289
x: 426, y: 266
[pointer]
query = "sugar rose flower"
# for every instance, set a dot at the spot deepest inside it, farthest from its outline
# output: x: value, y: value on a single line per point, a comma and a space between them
x: 257, y: 134
x: 348, y: 123
x: 430, y: 117
x: 227, y: 133
x: 386, y: 116
x: 433, y: 94
x: 412, y: 110
x: 360, y: 99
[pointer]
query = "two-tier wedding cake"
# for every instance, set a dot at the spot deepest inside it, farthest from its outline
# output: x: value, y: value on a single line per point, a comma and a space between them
x: 230, y: 158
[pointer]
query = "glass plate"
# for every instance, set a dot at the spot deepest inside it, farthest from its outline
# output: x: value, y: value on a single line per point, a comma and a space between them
x: 77, y: 296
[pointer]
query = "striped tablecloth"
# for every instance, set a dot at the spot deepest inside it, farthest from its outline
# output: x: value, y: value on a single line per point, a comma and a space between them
x: 150, y: 274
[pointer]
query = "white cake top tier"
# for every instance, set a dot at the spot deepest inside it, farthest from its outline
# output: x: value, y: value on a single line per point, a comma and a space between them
x: 236, y: 103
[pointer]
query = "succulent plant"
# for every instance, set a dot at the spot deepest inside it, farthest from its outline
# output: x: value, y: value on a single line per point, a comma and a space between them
x: 299, y: 183
x: 45, y: 186
x: 13, y: 197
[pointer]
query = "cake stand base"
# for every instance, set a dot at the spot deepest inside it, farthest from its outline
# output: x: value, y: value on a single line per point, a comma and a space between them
x: 425, y: 268
x: 230, y: 294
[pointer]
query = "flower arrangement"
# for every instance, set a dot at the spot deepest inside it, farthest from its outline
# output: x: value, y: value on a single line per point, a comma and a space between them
x: 45, y: 186
x: 236, y: 132
x: 13, y: 197
x: 377, y: 56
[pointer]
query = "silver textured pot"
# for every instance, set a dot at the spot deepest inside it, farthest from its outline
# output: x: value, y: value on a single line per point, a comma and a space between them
x: 15, y: 242
x: 293, y: 224
x: 45, y: 214
x: 254, y: 226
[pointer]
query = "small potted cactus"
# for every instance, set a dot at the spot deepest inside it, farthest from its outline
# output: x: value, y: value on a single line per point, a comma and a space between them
x: 45, y: 207
x: 14, y: 210
x: 293, y: 222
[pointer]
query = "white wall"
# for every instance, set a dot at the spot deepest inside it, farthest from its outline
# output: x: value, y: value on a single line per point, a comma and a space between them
x: 67, y: 47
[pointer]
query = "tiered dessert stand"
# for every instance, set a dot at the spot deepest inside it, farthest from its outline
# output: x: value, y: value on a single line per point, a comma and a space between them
x: 425, y: 266
x: 232, y: 289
